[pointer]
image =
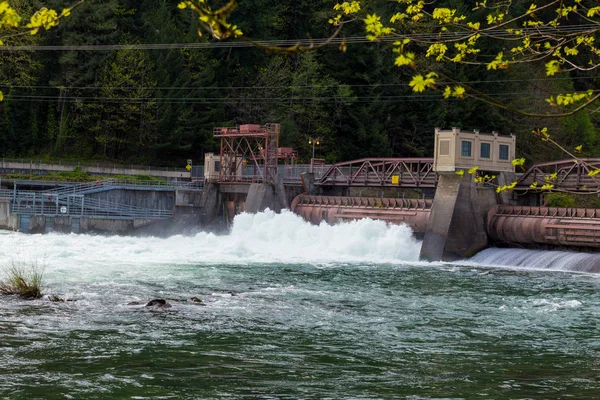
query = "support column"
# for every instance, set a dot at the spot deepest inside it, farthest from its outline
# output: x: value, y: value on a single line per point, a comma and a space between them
x: 308, y: 182
x: 456, y: 227
x: 210, y: 201
x: 260, y: 197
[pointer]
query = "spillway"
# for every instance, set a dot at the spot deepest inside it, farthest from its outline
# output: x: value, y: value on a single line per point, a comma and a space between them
x: 538, y: 259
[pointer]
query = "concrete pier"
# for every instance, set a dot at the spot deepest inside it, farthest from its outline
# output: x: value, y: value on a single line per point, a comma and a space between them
x: 456, y: 227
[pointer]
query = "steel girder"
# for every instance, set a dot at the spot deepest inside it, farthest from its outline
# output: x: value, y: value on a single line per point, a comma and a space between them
x: 571, y: 175
x: 386, y: 172
x: 257, y: 146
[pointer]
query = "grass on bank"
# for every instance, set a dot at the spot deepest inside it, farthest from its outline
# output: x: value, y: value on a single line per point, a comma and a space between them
x: 79, y: 176
x: 24, y: 280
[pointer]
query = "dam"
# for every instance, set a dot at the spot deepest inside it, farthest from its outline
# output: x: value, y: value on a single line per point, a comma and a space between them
x: 453, y: 215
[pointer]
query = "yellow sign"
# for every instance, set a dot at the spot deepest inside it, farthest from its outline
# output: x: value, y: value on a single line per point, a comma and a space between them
x: 395, y: 179
x: 188, y: 167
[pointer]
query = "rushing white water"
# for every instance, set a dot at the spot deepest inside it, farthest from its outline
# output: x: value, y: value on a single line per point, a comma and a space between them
x: 539, y: 259
x: 264, y: 237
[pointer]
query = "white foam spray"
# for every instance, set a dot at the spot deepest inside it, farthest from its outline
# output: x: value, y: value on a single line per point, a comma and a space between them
x: 265, y: 237
x: 539, y: 259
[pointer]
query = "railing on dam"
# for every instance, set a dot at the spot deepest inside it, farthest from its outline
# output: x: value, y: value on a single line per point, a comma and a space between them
x: 291, y: 173
x: 112, y: 183
x: 53, y: 204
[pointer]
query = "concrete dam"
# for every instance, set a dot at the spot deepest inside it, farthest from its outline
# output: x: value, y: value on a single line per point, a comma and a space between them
x: 460, y: 219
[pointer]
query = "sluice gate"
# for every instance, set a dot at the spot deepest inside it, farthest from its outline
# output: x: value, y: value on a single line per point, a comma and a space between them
x: 545, y: 225
x: 332, y: 209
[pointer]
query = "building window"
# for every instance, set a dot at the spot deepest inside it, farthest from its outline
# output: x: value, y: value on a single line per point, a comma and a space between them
x: 503, y: 153
x: 217, y: 166
x: 445, y: 147
x: 485, y: 150
x: 465, y: 149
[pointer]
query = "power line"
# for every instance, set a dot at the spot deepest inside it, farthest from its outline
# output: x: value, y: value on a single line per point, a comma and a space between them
x: 283, y: 43
x: 370, y: 85
x: 247, y: 100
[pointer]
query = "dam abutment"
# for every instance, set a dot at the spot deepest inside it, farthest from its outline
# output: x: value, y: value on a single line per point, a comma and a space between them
x: 456, y: 225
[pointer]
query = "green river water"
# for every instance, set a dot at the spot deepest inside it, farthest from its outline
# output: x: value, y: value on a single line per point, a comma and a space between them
x: 302, y: 327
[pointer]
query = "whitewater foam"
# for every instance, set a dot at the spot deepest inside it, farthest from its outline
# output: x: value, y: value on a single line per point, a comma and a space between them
x: 538, y: 259
x: 266, y: 237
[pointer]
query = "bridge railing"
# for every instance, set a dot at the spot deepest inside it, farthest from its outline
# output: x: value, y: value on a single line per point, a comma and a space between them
x: 291, y: 173
x: 36, y: 203
x: 242, y: 179
x: 568, y: 175
x: 383, y: 172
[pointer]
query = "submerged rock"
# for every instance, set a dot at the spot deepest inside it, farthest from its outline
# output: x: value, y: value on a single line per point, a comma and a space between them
x: 195, y: 300
x: 158, y: 303
x: 54, y: 298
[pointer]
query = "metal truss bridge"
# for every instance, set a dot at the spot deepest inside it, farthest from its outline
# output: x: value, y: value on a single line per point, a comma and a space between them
x: 566, y: 175
x: 382, y: 172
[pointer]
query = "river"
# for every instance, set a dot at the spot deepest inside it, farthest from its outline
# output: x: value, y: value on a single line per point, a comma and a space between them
x: 295, y: 311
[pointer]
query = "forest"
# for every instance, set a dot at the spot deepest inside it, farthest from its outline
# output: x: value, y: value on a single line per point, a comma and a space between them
x: 138, y: 104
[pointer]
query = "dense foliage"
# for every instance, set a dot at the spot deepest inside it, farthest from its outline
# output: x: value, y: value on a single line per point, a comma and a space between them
x: 159, y: 106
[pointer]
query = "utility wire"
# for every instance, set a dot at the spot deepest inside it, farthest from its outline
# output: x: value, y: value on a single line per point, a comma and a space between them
x: 248, y: 100
x: 500, y: 33
x: 371, y: 85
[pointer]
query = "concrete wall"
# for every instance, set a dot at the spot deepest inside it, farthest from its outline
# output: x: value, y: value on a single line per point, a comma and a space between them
x: 7, y: 220
x: 37, y: 224
x: 188, y: 198
x: 34, y: 167
x: 456, y: 227
x: 487, y: 198
x: 156, y: 199
x: 68, y: 224
x: 260, y: 197
x: 62, y: 224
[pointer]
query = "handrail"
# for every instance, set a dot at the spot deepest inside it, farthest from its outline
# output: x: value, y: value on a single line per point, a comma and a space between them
x: 112, y: 183
x: 29, y: 202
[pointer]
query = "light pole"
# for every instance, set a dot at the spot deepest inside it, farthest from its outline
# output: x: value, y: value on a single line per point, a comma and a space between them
x: 313, y: 141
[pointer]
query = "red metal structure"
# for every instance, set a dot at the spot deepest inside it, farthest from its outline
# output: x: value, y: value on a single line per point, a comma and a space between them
x: 386, y: 172
x: 333, y: 209
x: 571, y: 175
x: 545, y: 225
x: 248, y: 144
x: 286, y: 153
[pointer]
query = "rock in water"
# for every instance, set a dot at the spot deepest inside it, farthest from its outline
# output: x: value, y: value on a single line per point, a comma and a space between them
x: 53, y: 298
x: 158, y: 303
x: 195, y: 300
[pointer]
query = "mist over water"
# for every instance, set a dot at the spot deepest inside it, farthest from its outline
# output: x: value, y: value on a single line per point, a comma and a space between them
x: 291, y: 310
x: 263, y: 237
